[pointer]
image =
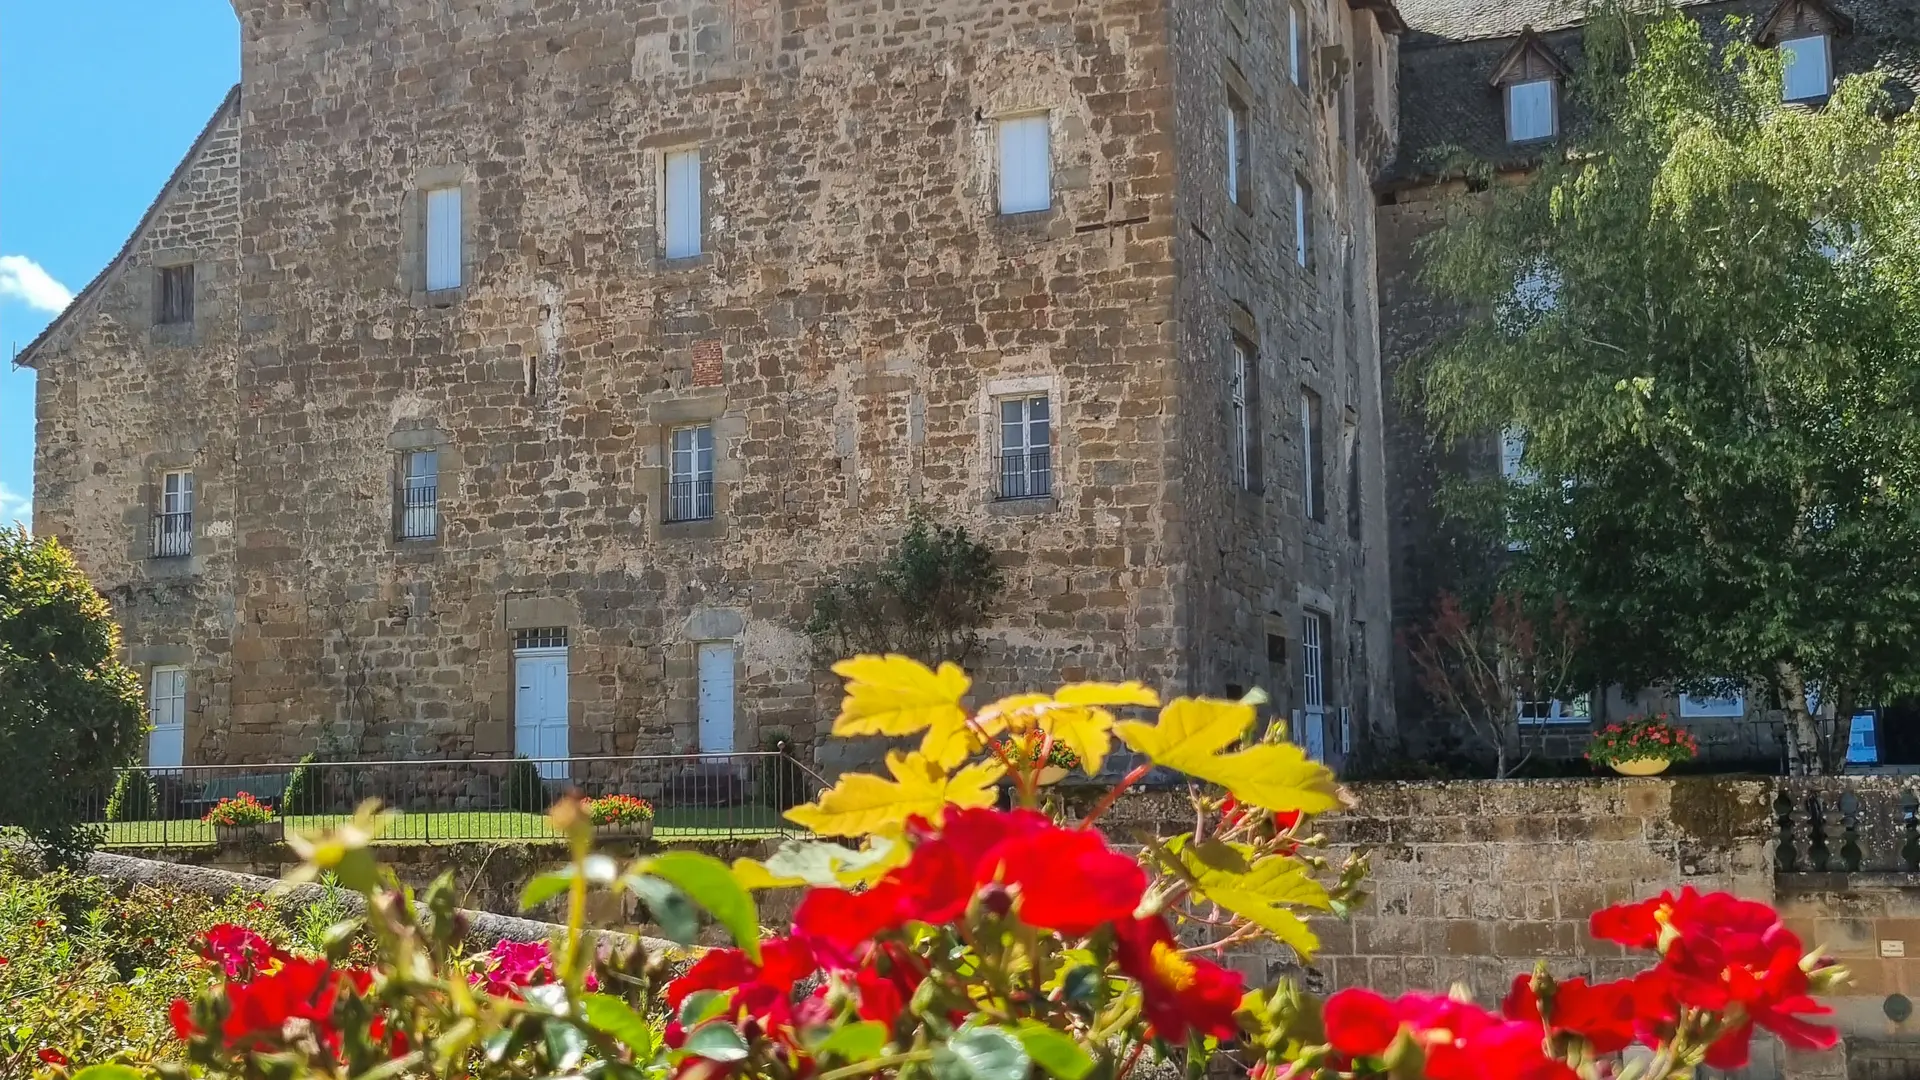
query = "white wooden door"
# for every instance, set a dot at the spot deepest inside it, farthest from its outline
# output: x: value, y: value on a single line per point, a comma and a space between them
x: 540, y: 708
x: 716, y: 697
x: 167, y: 711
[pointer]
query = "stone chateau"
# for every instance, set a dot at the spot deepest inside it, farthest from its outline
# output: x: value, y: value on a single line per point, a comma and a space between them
x: 507, y: 378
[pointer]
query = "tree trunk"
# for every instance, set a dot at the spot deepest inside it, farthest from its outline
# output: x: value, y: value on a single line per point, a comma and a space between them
x: 1803, y: 737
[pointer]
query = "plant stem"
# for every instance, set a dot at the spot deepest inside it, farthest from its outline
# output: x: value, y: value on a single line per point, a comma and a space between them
x: 1106, y: 801
x: 861, y: 1068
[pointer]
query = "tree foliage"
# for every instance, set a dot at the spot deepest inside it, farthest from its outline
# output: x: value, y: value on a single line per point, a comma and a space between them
x: 929, y: 599
x: 1706, y: 319
x: 70, y: 713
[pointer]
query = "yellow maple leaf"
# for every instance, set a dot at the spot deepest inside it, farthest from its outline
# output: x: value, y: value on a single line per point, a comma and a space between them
x: 1190, y: 738
x: 1077, y: 721
x: 896, y: 695
x: 1263, y: 893
x: 861, y: 803
x: 800, y: 863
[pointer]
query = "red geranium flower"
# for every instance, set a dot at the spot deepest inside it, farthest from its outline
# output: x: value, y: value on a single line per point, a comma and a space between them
x: 1603, y: 1014
x: 53, y: 1057
x: 1459, y: 1040
x: 240, y: 953
x: 1181, y: 993
x: 762, y: 992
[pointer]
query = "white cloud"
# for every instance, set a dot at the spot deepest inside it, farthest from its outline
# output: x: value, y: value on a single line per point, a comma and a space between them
x: 15, y: 508
x: 25, y: 280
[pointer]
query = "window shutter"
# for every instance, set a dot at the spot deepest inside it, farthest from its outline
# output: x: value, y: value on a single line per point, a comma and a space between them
x: 443, y: 239
x: 683, y: 204
x: 1026, y: 165
x: 1530, y: 111
x: 1233, y: 153
x: 1806, y: 60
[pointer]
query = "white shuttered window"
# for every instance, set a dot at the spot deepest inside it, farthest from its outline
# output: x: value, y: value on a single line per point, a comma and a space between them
x: 1530, y: 111
x: 683, y: 204
x: 1026, y: 165
x: 1807, y: 76
x: 443, y: 239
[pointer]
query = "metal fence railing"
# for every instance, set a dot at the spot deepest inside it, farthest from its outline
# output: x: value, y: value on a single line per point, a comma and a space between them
x: 697, y: 796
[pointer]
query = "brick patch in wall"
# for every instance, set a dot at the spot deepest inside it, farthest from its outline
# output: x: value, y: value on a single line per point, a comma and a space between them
x: 706, y: 363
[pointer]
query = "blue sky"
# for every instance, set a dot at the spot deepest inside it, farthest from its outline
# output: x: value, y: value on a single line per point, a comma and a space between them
x: 99, y: 100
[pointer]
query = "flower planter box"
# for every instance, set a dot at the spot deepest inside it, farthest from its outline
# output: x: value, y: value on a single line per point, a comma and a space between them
x: 1641, y: 766
x: 265, y: 832
x: 624, y: 830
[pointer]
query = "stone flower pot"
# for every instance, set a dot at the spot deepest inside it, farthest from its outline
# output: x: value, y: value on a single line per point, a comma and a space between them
x: 1642, y: 766
x: 265, y: 832
x: 625, y: 830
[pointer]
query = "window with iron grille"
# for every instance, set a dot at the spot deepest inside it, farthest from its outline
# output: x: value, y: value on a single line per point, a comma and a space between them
x: 541, y: 637
x: 690, y: 474
x: 173, y: 522
x: 173, y: 295
x: 1026, y: 447
x: 419, y: 495
x: 1243, y: 414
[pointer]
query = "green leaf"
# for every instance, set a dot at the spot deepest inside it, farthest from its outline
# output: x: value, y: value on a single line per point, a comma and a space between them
x: 855, y: 1042
x: 617, y: 1018
x: 667, y: 906
x: 545, y: 887
x: 708, y: 882
x: 1055, y: 1051
x: 981, y: 1053
x: 1082, y: 983
x: 108, y: 1072
x: 566, y: 1045
x: 701, y: 1006
x: 549, y: 996
x: 716, y: 1041
x: 601, y: 869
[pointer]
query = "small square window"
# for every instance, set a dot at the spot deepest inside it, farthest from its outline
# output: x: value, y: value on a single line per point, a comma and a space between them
x: 444, y: 245
x: 1808, y: 77
x: 173, y: 295
x: 173, y: 518
x: 540, y: 637
x: 1026, y: 447
x: 419, y: 495
x: 1277, y: 649
x: 1576, y: 710
x: 1732, y: 706
x: 1026, y: 165
x: 690, y: 474
x: 1531, y: 110
x: 682, y: 203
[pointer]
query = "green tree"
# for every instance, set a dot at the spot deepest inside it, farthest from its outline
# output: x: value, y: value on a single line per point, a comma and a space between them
x: 928, y: 600
x: 69, y: 712
x: 1705, y: 319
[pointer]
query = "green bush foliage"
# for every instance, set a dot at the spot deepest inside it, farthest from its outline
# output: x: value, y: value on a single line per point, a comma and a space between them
x: 134, y: 798
x: 303, y: 794
x: 526, y: 792
x: 929, y: 599
x: 66, y: 704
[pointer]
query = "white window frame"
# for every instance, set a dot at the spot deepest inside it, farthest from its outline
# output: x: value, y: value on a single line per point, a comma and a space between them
x: 690, y: 462
x: 1734, y: 707
x: 1023, y: 473
x: 1313, y: 659
x: 173, y: 531
x: 1302, y: 209
x: 680, y: 213
x: 1578, y: 710
x: 1237, y: 120
x: 420, y: 494
x: 1794, y: 52
x: 1026, y: 163
x: 1296, y: 44
x: 1239, y: 414
x: 445, y: 244
x: 1545, y: 113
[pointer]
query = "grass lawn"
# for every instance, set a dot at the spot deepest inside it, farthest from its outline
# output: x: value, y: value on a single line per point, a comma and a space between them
x: 450, y: 827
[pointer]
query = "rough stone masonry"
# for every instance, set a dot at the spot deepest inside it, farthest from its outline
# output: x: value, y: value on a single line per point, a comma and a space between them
x: 858, y: 316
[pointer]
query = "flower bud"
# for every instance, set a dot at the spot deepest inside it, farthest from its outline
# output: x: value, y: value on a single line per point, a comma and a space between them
x: 997, y: 899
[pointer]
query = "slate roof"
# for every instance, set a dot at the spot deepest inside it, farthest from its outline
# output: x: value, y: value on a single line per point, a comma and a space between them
x: 1452, y: 46
x: 81, y: 301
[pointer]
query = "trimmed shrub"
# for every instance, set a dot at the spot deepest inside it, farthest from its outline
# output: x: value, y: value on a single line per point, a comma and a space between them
x: 304, y: 794
x: 526, y: 791
x: 135, y: 798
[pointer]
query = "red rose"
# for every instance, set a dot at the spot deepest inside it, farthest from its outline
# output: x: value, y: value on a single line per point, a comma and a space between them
x: 1180, y: 992
x: 53, y: 1057
x: 1458, y: 1040
x: 1360, y: 1023
x: 1603, y: 1014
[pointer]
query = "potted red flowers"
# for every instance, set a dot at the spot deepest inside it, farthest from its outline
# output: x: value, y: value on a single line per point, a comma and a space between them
x: 244, y: 819
x: 621, y: 816
x: 1642, y: 746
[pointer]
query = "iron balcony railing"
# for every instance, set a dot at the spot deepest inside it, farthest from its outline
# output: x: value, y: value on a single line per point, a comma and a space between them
x: 1025, y: 474
x: 695, y: 796
x: 420, y: 509
x: 690, y: 500
x: 173, y: 535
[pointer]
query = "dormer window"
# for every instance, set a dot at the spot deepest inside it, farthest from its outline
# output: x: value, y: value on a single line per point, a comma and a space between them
x: 1532, y: 110
x: 1809, y: 75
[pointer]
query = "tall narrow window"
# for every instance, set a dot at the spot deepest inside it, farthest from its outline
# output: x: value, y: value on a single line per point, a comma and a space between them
x: 1531, y: 110
x: 1302, y: 221
x: 1808, y: 77
x: 1314, y: 632
x: 1026, y: 447
x: 443, y: 239
x: 1239, y: 175
x: 1026, y: 165
x: 173, y: 300
x: 419, y: 495
x: 1356, y: 513
x: 1313, y: 497
x: 682, y: 197
x: 1239, y: 416
x: 173, y: 523
x: 1297, y: 44
x: 690, y: 474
